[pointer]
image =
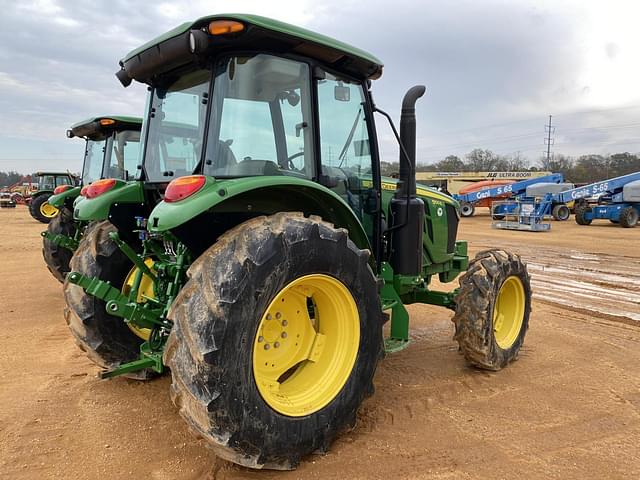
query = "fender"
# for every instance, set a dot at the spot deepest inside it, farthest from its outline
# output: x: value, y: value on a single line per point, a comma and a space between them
x: 68, y: 196
x: 98, y: 208
x: 264, y: 196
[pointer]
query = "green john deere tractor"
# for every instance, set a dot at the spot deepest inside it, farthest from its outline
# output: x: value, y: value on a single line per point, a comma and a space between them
x: 48, y: 182
x: 111, y: 151
x: 267, y: 251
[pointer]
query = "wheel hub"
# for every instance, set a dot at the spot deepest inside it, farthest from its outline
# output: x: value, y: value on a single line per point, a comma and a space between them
x: 508, y: 312
x: 306, y: 345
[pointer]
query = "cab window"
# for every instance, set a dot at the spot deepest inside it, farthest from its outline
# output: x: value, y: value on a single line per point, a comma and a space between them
x: 344, y: 145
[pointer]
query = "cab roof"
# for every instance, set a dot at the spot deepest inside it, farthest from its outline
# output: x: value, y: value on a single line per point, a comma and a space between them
x: 92, y: 127
x: 171, y: 50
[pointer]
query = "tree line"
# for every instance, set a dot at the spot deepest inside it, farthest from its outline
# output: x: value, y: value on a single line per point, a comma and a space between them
x: 581, y: 169
x: 11, y: 177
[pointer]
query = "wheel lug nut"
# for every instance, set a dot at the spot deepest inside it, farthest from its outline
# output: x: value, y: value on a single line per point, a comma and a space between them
x: 278, y: 315
x: 276, y: 345
x: 283, y: 334
x: 268, y: 316
x: 267, y: 346
x: 284, y: 323
x: 260, y: 338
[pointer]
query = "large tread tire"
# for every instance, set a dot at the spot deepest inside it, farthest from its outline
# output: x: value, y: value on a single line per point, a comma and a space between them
x: 561, y: 213
x: 34, y: 207
x: 475, y: 301
x: 105, y: 338
x: 580, y: 216
x: 629, y: 217
x: 215, y: 319
x: 56, y: 257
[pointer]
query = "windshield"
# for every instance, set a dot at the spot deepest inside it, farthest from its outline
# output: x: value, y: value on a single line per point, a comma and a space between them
x: 122, y: 158
x: 260, y: 121
x: 93, y: 157
x: 176, y: 127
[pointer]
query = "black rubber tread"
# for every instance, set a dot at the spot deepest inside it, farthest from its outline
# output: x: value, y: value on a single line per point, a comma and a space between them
x: 106, y: 339
x: 216, y: 316
x: 560, y: 213
x: 580, y: 218
x: 628, y: 217
x: 57, y: 258
x: 34, y: 207
x: 479, y: 287
x: 467, y: 209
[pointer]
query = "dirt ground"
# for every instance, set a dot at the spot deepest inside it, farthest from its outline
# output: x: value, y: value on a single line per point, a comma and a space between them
x: 568, y: 408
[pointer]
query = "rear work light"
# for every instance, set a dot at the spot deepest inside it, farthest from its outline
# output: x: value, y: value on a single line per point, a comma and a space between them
x: 224, y: 27
x: 61, y: 188
x: 99, y: 187
x: 183, y: 187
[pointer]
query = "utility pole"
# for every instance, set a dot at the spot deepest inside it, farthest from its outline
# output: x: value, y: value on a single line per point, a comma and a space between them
x: 549, y: 141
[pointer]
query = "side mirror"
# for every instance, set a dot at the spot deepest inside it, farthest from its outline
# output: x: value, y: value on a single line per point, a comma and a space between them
x: 342, y: 93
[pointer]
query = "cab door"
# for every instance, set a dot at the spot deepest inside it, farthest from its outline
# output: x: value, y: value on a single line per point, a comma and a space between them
x: 346, y: 160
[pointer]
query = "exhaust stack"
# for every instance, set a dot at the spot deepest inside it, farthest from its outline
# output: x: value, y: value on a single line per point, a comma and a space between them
x: 407, y: 211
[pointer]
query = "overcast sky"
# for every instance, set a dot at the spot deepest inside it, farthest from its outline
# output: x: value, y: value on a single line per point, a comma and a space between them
x: 494, y: 70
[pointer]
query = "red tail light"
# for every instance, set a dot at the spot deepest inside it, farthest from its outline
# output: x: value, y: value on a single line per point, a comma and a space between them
x: 183, y: 187
x: 61, y: 188
x: 99, y: 187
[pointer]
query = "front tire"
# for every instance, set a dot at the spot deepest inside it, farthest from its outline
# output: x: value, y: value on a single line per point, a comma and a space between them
x: 580, y: 216
x: 561, y: 213
x: 106, y: 339
x: 467, y: 209
x: 40, y: 209
x: 241, y: 320
x: 56, y: 257
x: 628, y: 217
x: 492, y: 309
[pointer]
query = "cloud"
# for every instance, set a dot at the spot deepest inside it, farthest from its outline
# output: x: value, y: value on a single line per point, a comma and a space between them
x: 494, y: 70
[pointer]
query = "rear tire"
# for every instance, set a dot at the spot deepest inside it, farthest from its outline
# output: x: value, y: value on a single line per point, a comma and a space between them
x: 212, y: 348
x: 491, y: 321
x: 37, y: 206
x: 580, y: 216
x: 106, y: 339
x: 56, y: 257
x: 628, y: 217
x: 561, y: 213
x: 467, y: 209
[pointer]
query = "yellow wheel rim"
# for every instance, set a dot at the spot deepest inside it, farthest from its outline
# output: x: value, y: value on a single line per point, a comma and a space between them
x: 47, y: 210
x: 306, y: 345
x: 508, y: 312
x: 144, y: 291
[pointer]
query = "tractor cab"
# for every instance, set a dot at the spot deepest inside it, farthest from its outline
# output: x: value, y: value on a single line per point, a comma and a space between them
x: 49, y: 181
x: 112, y: 145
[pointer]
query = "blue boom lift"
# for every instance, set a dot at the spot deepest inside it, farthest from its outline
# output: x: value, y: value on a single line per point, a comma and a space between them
x: 517, y: 189
x: 619, y: 201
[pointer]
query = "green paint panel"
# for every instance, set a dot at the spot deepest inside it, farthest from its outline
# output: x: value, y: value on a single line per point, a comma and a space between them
x: 59, y: 199
x: 270, y: 192
x: 117, y: 118
x: 98, y: 208
x: 276, y: 26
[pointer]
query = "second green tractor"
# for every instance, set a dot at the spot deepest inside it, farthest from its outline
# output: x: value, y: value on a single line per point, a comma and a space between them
x: 259, y: 255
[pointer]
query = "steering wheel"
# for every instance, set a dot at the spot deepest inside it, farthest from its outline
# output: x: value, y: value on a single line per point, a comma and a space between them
x: 290, y: 160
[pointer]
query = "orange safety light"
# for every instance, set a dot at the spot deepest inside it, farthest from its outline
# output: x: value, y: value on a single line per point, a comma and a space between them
x: 60, y: 189
x: 183, y: 187
x: 224, y: 27
x: 99, y: 187
x: 107, y: 121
